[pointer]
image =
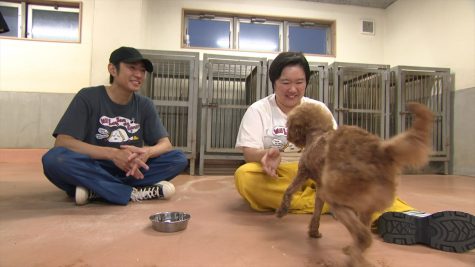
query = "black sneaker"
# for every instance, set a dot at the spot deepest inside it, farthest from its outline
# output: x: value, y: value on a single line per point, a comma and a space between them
x: 161, y: 190
x: 452, y: 231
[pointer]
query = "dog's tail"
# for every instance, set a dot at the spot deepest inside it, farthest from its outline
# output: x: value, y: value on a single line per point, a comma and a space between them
x: 412, y: 147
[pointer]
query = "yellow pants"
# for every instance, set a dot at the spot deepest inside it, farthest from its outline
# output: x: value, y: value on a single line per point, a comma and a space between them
x: 264, y: 193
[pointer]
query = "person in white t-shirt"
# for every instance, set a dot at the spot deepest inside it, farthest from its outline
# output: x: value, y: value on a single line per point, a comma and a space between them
x: 272, y: 162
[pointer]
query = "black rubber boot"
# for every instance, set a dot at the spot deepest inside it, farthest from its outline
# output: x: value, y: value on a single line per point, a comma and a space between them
x: 452, y: 231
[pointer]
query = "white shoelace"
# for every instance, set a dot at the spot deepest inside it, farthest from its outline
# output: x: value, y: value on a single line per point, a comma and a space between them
x: 144, y: 193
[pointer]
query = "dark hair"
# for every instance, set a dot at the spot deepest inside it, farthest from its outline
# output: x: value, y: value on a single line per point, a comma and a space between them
x: 285, y: 59
x: 117, y: 67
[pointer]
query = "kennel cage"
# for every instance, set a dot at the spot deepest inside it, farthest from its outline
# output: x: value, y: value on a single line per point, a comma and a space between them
x: 429, y: 86
x: 229, y: 85
x: 317, y: 82
x: 357, y: 95
x: 173, y: 87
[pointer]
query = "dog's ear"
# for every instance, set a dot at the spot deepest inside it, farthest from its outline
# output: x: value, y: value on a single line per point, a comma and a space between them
x: 296, y: 137
x: 301, y: 141
x: 297, y: 127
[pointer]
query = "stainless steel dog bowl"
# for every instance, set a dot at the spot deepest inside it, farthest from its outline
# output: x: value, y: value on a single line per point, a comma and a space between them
x: 170, y: 221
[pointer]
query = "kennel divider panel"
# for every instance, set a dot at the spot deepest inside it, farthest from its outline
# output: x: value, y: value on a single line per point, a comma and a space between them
x: 230, y: 85
x: 358, y: 95
x: 173, y: 87
x: 394, y: 84
x: 429, y: 86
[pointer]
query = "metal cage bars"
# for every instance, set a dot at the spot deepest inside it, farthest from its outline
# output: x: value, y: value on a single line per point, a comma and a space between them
x: 229, y: 85
x: 370, y: 96
x: 429, y: 86
x: 357, y: 95
x: 173, y: 87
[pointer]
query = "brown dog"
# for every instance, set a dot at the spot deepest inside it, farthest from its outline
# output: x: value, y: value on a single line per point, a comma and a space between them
x: 355, y: 171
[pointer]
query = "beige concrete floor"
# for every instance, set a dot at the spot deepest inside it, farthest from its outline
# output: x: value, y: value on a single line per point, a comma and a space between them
x: 40, y: 226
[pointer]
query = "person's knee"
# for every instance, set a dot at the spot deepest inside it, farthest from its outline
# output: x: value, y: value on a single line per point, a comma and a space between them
x: 239, y: 179
x: 247, y: 169
x: 54, y: 156
x: 177, y: 159
x: 240, y: 173
x: 180, y: 159
x: 245, y: 172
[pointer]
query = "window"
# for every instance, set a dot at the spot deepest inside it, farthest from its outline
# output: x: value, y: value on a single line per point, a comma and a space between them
x: 309, y: 37
x: 11, y: 14
x: 209, y: 31
x: 55, y: 21
x: 259, y: 35
x: 204, y: 29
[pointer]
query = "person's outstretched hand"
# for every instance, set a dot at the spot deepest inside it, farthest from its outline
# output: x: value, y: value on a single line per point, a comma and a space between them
x: 270, y: 161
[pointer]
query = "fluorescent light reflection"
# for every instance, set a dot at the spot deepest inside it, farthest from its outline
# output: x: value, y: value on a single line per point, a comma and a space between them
x: 264, y: 45
x: 54, y: 33
x: 223, y: 43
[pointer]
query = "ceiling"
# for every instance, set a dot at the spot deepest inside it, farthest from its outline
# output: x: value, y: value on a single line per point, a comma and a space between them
x: 364, y: 3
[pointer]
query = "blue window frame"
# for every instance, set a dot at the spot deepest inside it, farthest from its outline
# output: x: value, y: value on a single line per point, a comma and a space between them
x: 205, y: 29
x: 43, y: 20
x: 53, y: 23
x: 308, y: 39
x: 12, y: 16
x: 212, y: 33
x: 259, y: 36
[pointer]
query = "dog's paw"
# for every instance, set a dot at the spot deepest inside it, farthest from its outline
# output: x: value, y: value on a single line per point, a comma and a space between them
x: 355, y: 263
x: 348, y: 250
x: 281, y: 212
x: 358, y: 261
x: 314, y: 234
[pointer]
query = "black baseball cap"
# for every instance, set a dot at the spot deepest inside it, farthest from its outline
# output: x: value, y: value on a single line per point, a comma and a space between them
x: 129, y: 55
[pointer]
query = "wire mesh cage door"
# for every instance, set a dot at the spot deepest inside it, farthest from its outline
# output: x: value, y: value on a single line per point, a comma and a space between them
x: 173, y: 87
x: 358, y: 95
x: 318, y: 81
x: 230, y: 85
x: 431, y: 87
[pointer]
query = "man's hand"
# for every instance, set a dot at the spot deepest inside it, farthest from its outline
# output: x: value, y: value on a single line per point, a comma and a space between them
x: 128, y: 158
x: 270, y: 161
x: 137, y: 158
x: 120, y: 158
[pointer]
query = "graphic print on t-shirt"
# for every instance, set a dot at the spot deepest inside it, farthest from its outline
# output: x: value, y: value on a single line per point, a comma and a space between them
x: 117, y: 129
x: 277, y: 137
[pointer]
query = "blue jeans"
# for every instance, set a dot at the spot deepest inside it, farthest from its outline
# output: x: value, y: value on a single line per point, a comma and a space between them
x: 67, y: 169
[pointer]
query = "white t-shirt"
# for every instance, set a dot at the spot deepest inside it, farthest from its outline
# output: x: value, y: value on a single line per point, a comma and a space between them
x: 264, y: 126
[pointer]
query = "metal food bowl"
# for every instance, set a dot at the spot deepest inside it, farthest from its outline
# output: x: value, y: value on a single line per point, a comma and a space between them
x: 170, y: 221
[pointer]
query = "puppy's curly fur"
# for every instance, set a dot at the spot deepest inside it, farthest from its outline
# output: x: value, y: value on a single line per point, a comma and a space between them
x: 355, y: 171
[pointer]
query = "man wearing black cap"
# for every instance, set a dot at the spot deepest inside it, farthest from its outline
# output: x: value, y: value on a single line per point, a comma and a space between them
x: 110, y: 142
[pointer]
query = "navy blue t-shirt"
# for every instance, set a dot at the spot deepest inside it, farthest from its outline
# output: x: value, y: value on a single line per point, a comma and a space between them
x: 92, y: 117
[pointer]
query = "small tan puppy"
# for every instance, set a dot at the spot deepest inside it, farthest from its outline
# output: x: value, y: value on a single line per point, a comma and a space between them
x: 355, y: 171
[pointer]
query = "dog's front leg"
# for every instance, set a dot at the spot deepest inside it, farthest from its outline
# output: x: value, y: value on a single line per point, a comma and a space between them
x: 315, y: 222
x: 359, y: 232
x: 287, y: 198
